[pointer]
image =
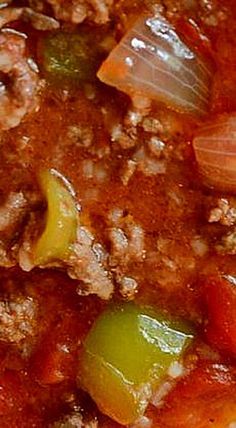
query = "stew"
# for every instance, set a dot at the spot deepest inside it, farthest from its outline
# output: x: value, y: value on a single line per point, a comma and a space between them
x: 117, y: 214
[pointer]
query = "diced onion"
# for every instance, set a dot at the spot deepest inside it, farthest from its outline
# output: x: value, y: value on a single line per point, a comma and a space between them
x: 152, y: 60
x: 215, y: 151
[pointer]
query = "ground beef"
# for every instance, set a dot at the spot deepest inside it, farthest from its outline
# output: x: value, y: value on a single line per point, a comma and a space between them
x: 224, y: 212
x: 127, y: 241
x: 87, y: 264
x: 119, y: 242
x: 6, y: 258
x: 12, y: 213
x: 125, y: 137
x: 127, y: 246
x: 17, y: 319
x: 147, y: 163
x: 227, y: 244
x: 81, y: 136
x: 75, y: 420
x: 78, y: 10
x: 128, y: 288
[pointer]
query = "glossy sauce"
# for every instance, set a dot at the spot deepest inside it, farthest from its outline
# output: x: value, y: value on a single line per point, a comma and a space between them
x: 38, y: 375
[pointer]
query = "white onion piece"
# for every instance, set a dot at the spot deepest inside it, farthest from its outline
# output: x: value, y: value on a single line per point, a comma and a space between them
x: 152, y: 60
x: 215, y: 151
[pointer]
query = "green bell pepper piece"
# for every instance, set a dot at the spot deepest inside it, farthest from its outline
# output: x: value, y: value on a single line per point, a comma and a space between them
x: 126, y: 354
x: 70, y: 58
x: 61, y: 220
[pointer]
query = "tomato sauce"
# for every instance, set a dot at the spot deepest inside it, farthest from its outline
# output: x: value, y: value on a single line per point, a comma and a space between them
x: 88, y: 134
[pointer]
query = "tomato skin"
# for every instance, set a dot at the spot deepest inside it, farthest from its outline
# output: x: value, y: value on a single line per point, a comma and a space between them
x: 206, y: 396
x: 202, y: 399
x: 220, y: 329
x: 194, y: 37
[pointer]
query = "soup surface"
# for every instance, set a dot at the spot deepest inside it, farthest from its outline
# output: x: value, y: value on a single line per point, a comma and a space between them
x: 117, y: 187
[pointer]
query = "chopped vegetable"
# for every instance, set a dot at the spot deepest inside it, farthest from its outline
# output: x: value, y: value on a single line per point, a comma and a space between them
x: 70, y: 57
x: 203, y: 398
x: 215, y: 150
x: 220, y: 297
x: 61, y: 220
x: 152, y: 60
x: 125, y: 355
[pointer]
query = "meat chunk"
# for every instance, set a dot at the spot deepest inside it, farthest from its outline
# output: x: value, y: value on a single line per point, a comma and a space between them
x: 119, y: 243
x: 146, y: 136
x: 6, y: 259
x: 17, y: 319
x: 78, y: 10
x: 127, y: 241
x: 128, y: 288
x: 224, y: 213
x: 18, y: 98
x: 37, y: 20
x: 74, y: 420
x: 149, y: 163
x: 127, y: 246
x: 87, y: 264
x: 228, y: 243
x: 12, y: 213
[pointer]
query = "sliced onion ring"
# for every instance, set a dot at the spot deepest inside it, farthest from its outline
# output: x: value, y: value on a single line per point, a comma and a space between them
x: 215, y: 151
x: 152, y: 60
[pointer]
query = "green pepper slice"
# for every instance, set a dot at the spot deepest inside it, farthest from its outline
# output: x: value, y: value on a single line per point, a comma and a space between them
x: 61, y: 220
x: 127, y: 352
x: 70, y: 58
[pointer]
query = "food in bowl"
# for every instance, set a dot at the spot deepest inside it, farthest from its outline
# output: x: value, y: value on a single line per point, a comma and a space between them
x: 117, y: 214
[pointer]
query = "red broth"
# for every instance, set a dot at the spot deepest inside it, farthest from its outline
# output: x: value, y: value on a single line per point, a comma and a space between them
x: 136, y: 179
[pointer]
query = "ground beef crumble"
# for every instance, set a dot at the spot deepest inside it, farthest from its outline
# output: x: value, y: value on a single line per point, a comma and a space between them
x: 78, y: 10
x: 18, y: 319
